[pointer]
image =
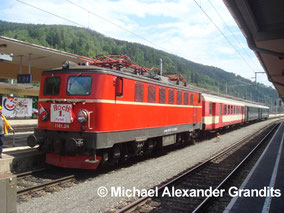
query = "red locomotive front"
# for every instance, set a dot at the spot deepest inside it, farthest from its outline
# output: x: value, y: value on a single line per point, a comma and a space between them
x: 90, y: 115
x: 67, y: 113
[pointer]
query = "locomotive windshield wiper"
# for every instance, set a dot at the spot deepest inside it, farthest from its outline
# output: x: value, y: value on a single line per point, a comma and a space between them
x: 55, y: 88
x: 73, y: 80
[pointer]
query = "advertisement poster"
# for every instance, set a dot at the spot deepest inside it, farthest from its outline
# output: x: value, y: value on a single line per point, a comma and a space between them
x: 17, y: 107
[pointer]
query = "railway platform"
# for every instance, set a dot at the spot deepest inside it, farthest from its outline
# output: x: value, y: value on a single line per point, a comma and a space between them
x: 17, y: 156
x: 263, y: 189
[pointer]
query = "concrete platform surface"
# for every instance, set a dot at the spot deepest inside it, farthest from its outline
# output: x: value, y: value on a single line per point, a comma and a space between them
x: 20, y: 159
x: 22, y: 122
x: 264, y: 185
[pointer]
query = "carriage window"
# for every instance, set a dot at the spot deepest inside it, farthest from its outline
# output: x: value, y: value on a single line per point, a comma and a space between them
x: 79, y: 85
x: 210, y: 108
x: 151, y: 93
x: 199, y: 98
x: 191, y: 99
x: 225, y: 109
x: 52, y: 86
x: 186, y: 98
x: 162, y: 95
x: 221, y: 109
x: 171, y: 96
x: 139, y: 92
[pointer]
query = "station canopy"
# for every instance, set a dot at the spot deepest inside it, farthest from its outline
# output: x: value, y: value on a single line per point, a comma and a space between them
x: 28, y: 58
x: 262, y: 23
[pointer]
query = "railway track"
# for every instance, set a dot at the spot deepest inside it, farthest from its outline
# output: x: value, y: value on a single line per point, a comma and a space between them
x: 39, y: 182
x: 212, y: 174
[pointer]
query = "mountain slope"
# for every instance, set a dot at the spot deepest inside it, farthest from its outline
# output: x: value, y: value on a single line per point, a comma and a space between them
x: 90, y: 43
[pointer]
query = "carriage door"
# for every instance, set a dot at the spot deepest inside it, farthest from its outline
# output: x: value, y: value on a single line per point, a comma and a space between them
x: 220, y: 115
x: 215, y: 118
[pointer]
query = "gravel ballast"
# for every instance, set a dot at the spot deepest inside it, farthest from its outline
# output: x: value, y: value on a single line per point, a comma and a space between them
x: 143, y: 175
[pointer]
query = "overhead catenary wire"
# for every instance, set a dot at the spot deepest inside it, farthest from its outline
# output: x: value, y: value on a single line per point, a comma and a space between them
x: 223, y: 34
x: 117, y: 25
x: 45, y: 11
x: 233, y: 34
x: 89, y: 12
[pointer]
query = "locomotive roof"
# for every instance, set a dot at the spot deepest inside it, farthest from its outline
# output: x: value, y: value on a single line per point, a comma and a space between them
x: 158, y: 80
x: 152, y: 79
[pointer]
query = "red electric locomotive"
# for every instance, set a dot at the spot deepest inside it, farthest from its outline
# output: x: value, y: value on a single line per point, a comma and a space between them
x: 97, y: 114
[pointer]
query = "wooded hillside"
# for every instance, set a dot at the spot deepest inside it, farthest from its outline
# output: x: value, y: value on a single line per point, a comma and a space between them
x: 86, y: 42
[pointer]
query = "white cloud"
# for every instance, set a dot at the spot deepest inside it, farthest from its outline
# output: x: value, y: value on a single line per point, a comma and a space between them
x: 187, y: 33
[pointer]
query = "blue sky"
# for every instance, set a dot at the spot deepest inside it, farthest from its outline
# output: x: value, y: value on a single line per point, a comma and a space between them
x: 178, y: 27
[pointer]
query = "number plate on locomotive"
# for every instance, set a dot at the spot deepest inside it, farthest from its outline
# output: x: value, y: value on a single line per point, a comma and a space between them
x: 61, y: 113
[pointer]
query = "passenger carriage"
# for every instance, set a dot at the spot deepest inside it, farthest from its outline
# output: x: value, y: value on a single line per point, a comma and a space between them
x: 219, y: 112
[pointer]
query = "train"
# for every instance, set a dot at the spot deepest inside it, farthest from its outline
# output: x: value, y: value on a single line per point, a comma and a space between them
x: 102, y: 112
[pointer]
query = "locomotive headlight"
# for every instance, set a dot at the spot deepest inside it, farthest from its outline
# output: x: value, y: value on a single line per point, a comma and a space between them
x: 82, y: 116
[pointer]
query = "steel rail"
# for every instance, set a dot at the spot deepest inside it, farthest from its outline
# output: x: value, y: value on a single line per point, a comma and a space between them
x: 22, y: 175
x: 207, y: 199
x: 141, y: 200
x: 43, y: 185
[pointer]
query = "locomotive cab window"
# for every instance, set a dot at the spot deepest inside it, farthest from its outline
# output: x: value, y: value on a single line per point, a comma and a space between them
x: 79, y: 85
x: 52, y: 86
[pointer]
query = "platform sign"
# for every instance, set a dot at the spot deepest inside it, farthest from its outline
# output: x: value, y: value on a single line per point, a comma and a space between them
x: 24, y: 78
x: 17, y: 107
